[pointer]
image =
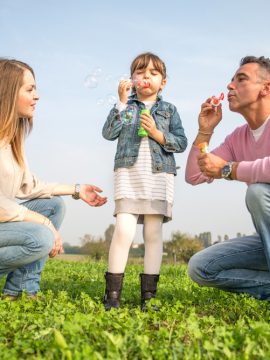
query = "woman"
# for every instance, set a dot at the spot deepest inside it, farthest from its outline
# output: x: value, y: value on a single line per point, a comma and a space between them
x: 29, y: 230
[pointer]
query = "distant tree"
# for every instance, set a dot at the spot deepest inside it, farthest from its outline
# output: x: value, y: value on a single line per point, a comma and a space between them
x: 108, y: 234
x: 226, y: 237
x: 96, y: 248
x: 69, y: 249
x: 206, y: 238
x: 182, y: 246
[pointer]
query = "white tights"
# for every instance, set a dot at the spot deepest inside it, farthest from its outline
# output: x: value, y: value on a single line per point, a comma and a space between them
x: 123, y: 236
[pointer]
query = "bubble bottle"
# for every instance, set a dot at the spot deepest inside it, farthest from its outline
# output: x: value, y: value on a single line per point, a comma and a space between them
x: 142, y: 132
x: 203, y: 147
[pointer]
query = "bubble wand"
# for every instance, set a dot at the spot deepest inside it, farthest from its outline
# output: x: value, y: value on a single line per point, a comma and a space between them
x: 215, y: 101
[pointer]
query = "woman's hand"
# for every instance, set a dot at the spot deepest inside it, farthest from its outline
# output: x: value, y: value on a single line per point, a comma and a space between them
x: 88, y: 193
x: 58, y: 244
x: 209, y: 117
x: 123, y: 90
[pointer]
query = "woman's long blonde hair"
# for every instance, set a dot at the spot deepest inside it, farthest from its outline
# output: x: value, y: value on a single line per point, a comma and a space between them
x: 13, y: 129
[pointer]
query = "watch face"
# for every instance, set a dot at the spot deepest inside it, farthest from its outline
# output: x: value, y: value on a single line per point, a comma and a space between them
x: 226, y: 171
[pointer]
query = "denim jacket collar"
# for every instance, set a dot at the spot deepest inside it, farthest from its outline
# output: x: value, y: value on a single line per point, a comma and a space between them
x: 134, y: 97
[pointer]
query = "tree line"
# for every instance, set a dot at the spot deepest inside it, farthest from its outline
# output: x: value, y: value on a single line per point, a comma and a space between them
x: 179, y: 248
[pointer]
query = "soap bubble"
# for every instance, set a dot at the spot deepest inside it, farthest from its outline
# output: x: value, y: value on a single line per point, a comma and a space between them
x: 100, y: 102
x: 111, y: 99
x: 108, y: 77
x: 90, y: 81
x: 97, y: 72
x: 127, y: 115
x: 123, y: 77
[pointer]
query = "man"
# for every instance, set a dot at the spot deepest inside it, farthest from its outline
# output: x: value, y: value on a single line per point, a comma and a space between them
x: 238, y: 265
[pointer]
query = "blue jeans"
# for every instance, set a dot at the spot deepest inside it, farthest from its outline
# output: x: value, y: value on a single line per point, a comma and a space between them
x: 240, y: 265
x: 24, y: 246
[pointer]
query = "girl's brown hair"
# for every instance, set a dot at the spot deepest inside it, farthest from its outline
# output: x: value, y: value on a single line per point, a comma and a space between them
x: 13, y: 129
x: 142, y: 61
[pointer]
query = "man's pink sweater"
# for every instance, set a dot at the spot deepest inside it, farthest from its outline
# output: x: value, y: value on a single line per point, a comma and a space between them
x: 240, y: 146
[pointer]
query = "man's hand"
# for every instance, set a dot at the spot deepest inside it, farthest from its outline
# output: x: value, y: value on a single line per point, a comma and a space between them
x: 211, y: 165
x: 88, y: 194
x: 209, y: 117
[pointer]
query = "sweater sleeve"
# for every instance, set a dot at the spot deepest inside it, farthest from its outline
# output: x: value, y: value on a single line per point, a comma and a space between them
x: 10, y: 210
x: 257, y: 171
x: 32, y: 188
x: 193, y: 175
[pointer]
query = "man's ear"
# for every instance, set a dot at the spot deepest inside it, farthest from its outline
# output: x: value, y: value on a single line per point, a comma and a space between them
x: 266, y: 88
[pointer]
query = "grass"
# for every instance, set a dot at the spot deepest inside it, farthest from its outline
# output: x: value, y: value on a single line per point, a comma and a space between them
x: 70, y: 322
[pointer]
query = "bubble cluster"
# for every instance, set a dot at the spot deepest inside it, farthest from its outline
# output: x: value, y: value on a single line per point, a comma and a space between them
x: 97, y: 78
x: 92, y: 80
x: 127, y: 115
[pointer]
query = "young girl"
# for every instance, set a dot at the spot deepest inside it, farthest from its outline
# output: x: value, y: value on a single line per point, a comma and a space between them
x: 144, y: 170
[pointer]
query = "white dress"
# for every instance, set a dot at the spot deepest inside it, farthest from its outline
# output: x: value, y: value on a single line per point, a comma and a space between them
x: 137, y: 190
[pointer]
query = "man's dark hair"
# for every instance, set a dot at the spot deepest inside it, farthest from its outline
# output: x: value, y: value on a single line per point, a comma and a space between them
x: 262, y: 61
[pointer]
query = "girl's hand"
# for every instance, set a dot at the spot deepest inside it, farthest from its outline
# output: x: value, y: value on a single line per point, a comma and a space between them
x: 209, y: 116
x: 88, y: 193
x: 148, y: 123
x: 123, y: 90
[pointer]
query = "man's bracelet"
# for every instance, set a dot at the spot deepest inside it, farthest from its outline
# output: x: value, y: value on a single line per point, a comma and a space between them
x: 47, y: 222
x: 205, y: 133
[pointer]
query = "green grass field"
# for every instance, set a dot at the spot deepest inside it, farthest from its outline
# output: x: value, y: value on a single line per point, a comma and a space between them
x: 70, y: 322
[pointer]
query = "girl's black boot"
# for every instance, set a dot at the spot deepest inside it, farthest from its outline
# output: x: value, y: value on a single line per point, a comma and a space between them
x: 113, y: 290
x: 148, y: 289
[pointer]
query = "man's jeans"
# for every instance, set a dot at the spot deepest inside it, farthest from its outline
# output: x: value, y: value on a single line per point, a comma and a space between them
x: 24, y: 246
x: 242, y: 264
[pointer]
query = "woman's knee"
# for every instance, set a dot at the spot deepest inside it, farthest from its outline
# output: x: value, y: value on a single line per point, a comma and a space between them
x: 59, y: 206
x: 40, y: 240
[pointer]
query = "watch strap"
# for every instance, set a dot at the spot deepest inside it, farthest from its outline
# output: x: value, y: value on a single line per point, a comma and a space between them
x: 76, y: 195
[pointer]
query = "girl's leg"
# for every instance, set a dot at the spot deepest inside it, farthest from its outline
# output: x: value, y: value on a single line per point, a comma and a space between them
x: 123, y: 236
x: 152, y: 234
x: 25, y: 246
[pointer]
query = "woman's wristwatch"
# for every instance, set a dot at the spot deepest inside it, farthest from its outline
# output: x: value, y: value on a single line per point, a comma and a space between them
x: 76, y: 195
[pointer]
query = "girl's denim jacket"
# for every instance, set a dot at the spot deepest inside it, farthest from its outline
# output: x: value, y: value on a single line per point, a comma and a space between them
x: 167, y: 121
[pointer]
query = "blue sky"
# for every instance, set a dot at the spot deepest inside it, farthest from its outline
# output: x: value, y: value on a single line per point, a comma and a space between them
x: 201, y: 43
